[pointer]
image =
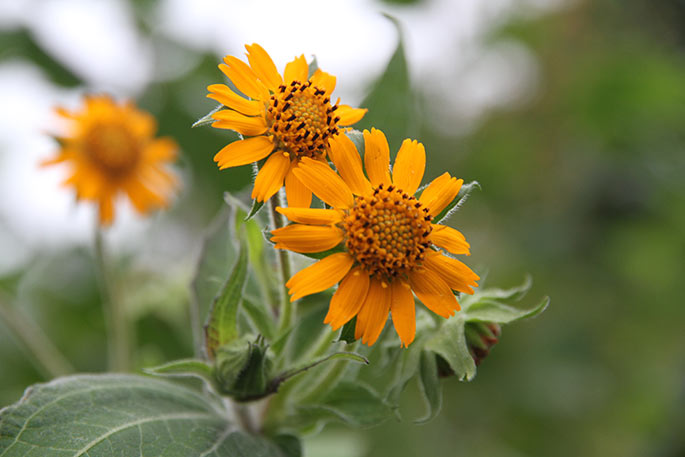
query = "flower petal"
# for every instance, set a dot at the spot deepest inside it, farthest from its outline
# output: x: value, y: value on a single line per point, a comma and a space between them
x: 106, y: 209
x: 374, y: 312
x: 243, y: 152
x: 320, y: 276
x: 296, y: 192
x: 263, y: 66
x: 245, y: 125
x: 433, y: 292
x: 324, y: 182
x: 377, y: 157
x: 455, y: 273
x: 322, y: 80
x: 403, y: 311
x: 440, y: 192
x: 297, y: 70
x: 307, y: 238
x: 349, y: 115
x: 449, y: 238
x: 315, y: 216
x: 224, y: 95
x: 270, y: 178
x: 243, y: 77
x: 409, y: 166
x: 161, y: 149
x: 346, y: 158
x: 348, y: 299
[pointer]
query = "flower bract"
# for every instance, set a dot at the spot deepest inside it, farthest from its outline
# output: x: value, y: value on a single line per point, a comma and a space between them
x: 388, y: 248
x: 282, y: 118
x: 111, y: 149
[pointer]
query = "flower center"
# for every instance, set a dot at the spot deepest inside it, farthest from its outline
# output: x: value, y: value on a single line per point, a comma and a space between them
x: 387, y: 233
x: 302, y: 119
x: 112, y: 148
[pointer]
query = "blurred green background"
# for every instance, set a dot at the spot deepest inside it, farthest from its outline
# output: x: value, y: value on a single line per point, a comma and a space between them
x: 582, y: 167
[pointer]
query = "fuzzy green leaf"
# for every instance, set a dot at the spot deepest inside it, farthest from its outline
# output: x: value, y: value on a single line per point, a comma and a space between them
x: 429, y: 384
x: 499, y: 305
x: 260, y: 317
x: 458, y: 201
x: 221, y: 327
x: 185, y: 367
x: 116, y: 415
x: 450, y: 343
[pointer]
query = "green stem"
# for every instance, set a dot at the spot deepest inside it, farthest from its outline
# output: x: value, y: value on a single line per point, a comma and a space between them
x: 115, y: 315
x: 288, y: 308
x: 48, y: 359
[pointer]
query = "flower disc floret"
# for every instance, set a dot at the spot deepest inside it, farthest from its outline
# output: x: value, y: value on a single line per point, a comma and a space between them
x: 302, y: 119
x: 112, y: 148
x: 387, y: 232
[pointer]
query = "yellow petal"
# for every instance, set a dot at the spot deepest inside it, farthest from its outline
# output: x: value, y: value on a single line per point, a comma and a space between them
x: 346, y: 158
x: 307, y: 238
x: 348, y: 299
x: 243, y: 77
x: 315, y: 216
x: 433, y: 292
x: 403, y: 311
x: 324, y: 182
x: 161, y: 149
x: 349, y: 115
x: 224, y: 95
x: 244, y: 151
x: 377, y: 157
x: 270, y: 178
x: 298, y: 194
x: 245, y: 125
x: 455, y: 274
x: 322, y: 80
x: 263, y: 66
x: 297, y: 70
x: 323, y: 274
x: 440, y: 193
x: 409, y: 166
x: 374, y: 312
x: 449, y: 238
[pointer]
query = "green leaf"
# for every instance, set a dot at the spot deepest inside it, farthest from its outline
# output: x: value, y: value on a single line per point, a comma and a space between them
x: 217, y: 256
x: 458, y: 201
x: 487, y: 310
x: 207, y: 119
x: 392, y: 102
x: 351, y: 402
x: 313, y: 66
x: 221, y: 327
x: 498, y: 305
x: 256, y: 206
x: 429, y: 384
x: 185, y: 367
x: 357, y: 138
x: 117, y: 415
x: 450, y: 343
x: 289, y: 444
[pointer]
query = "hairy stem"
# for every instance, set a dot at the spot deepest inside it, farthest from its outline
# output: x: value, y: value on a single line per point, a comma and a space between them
x: 115, y: 316
x: 288, y: 308
x: 48, y: 359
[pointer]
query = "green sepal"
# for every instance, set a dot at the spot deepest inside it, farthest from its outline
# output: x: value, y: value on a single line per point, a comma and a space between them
x: 313, y: 66
x: 322, y: 254
x: 207, y: 119
x: 243, y: 368
x: 357, y: 138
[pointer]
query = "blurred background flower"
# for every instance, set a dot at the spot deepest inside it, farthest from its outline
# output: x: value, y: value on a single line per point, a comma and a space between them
x: 569, y: 113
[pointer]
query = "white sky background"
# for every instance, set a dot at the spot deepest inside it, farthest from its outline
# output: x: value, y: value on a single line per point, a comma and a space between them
x: 97, y: 39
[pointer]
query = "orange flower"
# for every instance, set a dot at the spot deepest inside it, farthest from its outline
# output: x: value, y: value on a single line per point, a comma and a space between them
x: 389, y: 243
x: 111, y: 148
x: 285, y: 119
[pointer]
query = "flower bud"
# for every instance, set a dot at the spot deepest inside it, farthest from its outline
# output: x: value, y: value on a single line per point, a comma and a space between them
x: 243, y: 368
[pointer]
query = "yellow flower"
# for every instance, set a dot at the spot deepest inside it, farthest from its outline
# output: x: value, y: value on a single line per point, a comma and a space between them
x: 285, y: 119
x: 111, y: 149
x: 390, y: 245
